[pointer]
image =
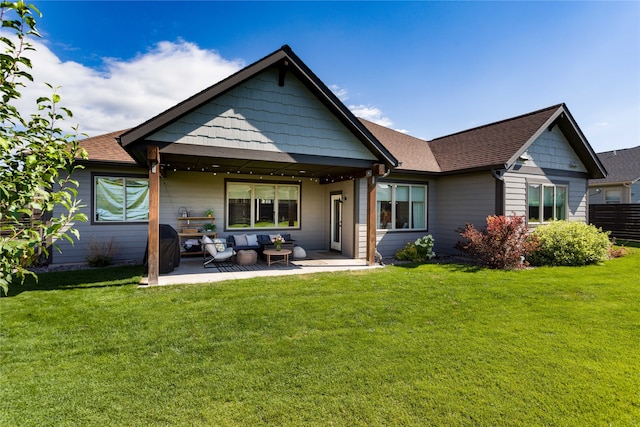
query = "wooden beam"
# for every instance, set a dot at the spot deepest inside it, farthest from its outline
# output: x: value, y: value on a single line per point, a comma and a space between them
x: 378, y: 169
x: 153, y: 158
x: 282, y: 72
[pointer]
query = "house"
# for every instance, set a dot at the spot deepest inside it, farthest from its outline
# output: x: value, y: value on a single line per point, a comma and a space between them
x: 614, y: 201
x: 622, y: 185
x: 272, y: 149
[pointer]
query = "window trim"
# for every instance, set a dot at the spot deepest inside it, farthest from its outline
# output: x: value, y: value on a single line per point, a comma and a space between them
x: 542, y: 185
x: 616, y: 201
x: 253, y: 183
x: 409, y: 184
x: 95, y: 175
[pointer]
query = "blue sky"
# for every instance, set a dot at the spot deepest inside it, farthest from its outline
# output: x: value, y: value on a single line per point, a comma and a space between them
x: 427, y: 68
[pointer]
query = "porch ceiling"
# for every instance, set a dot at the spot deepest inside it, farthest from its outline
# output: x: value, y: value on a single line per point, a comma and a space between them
x: 323, y: 172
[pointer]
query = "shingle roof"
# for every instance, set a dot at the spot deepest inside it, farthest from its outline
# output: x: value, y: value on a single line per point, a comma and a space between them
x: 622, y: 165
x: 105, y: 148
x: 482, y: 148
x: 490, y: 145
x: 413, y: 153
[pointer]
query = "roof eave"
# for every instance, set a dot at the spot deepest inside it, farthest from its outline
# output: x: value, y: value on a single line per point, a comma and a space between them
x: 483, y: 168
x: 109, y: 163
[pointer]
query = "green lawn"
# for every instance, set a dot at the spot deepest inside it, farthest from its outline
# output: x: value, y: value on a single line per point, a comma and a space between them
x: 442, y: 345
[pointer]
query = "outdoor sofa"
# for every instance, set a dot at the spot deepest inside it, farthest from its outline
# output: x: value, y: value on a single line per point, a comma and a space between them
x: 257, y: 242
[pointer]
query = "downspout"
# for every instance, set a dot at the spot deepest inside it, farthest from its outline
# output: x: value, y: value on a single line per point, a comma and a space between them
x: 499, y: 204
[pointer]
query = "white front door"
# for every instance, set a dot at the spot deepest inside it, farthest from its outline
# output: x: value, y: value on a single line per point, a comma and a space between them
x: 336, y: 222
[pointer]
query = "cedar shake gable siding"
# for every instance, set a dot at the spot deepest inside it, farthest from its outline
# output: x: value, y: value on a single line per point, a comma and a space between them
x: 285, y: 61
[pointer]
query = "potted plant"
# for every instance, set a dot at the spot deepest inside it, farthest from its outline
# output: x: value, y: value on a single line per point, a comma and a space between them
x: 277, y: 241
x: 209, y: 213
x: 209, y: 227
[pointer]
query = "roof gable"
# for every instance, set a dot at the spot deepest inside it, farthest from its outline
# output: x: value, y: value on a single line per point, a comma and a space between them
x: 285, y: 61
x: 499, y: 144
x: 261, y: 115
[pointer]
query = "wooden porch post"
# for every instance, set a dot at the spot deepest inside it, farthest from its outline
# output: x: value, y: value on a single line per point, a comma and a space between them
x: 153, y: 157
x: 377, y: 170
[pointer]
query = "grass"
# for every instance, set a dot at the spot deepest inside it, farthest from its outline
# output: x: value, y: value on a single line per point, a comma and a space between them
x: 444, y: 345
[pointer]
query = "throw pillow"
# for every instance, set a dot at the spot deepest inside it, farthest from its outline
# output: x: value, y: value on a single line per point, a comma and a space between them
x: 252, y: 240
x: 241, y: 240
x: 220, y: 244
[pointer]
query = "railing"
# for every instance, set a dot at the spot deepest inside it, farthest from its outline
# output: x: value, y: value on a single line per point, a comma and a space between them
x: 623, y: 220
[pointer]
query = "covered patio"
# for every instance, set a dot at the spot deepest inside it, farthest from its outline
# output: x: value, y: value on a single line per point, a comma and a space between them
x: 272, y: 150
x: 191, y: 269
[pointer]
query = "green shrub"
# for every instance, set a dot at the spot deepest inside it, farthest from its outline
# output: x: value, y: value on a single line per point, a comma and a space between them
x: 419, y: 251
x: 570, y: 243
x: 100, y: 252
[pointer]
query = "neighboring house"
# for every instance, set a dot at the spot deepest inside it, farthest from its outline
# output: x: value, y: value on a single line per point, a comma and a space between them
x: 622, y: 185
x: 272, y: 148
x: 614, y: 201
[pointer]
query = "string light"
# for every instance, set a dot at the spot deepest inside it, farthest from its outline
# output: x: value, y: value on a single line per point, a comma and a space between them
x: 297, y: 177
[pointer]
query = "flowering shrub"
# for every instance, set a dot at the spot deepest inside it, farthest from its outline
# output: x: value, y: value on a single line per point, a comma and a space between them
x: 504, y: 243
x: 419, y: 251
x: 570, y: 243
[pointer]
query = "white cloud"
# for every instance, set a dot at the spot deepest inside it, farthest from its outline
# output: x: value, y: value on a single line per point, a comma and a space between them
x: 367, y: 112
x: 340, y: 92
x: 126, y: 92
x: 373, y: 114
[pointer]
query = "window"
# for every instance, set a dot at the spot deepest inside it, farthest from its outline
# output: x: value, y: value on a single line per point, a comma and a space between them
x: 612, y: 196
x: 120, y: 199
x: 251, y: 205
x: 547, y: 202
x: 401, y: 206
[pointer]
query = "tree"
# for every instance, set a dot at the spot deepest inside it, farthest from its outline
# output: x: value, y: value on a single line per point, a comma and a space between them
x: 36, y: 158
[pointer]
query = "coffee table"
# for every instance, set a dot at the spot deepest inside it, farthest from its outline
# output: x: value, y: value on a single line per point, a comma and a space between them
x: 282, y: 252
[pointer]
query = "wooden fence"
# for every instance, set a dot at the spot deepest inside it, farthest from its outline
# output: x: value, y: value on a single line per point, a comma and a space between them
x: 623, y: 220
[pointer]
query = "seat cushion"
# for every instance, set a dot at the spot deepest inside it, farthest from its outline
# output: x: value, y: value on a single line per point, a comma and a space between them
x: 226, y: 254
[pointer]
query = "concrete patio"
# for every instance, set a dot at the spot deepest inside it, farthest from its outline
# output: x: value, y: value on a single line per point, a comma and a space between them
x: 191, y: 269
